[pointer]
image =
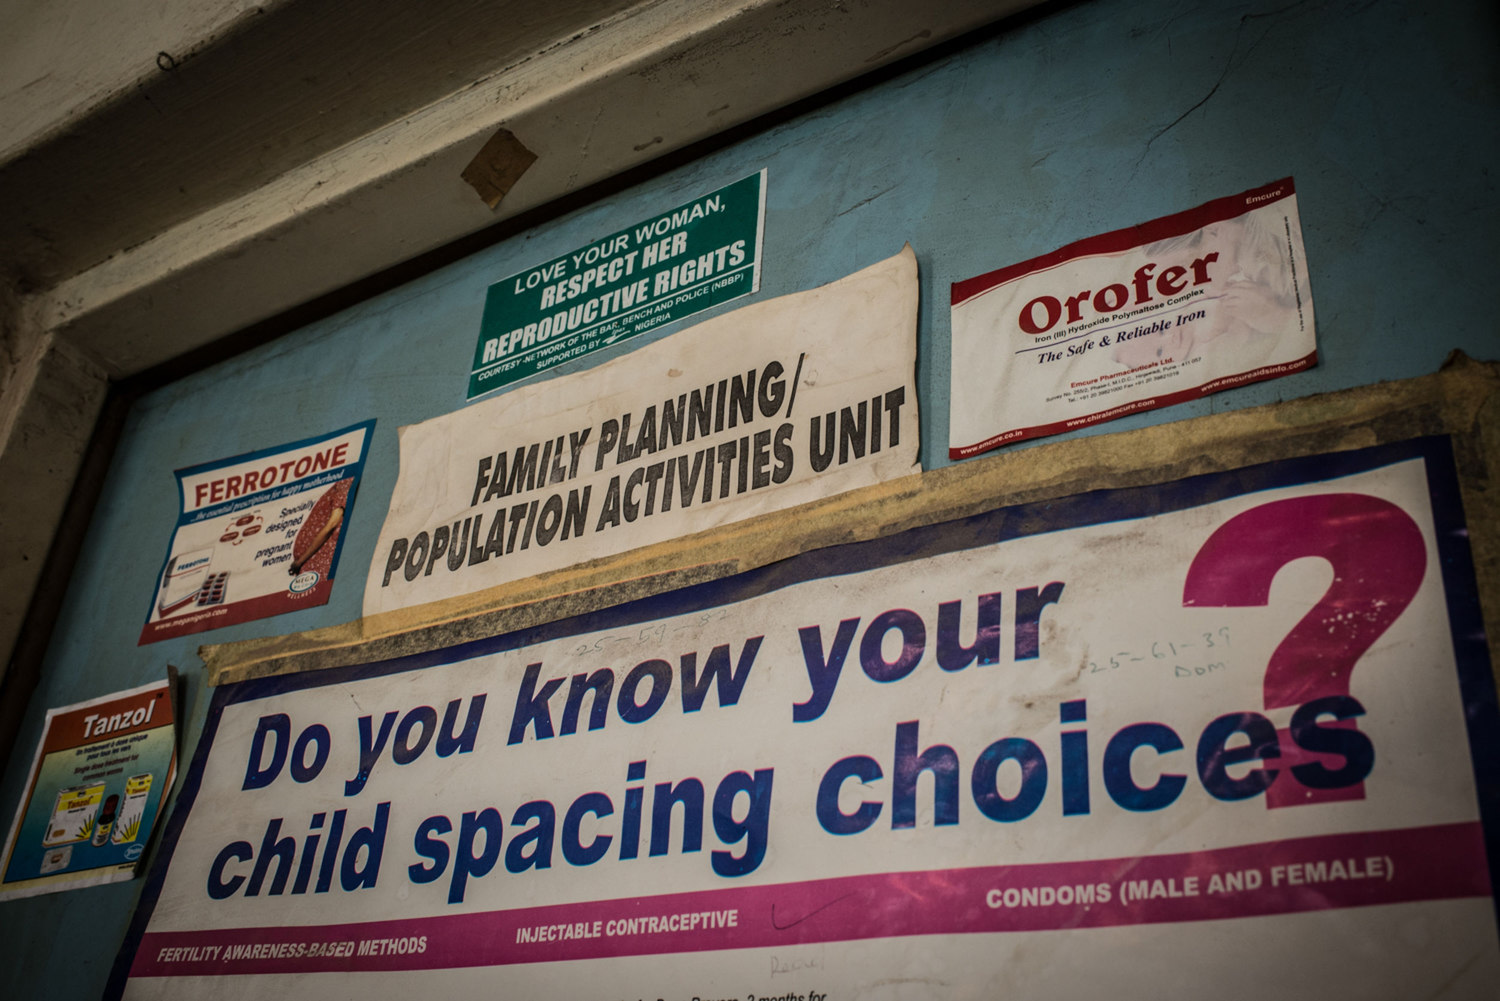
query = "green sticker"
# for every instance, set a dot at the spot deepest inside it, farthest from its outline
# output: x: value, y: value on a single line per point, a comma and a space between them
x: 681, y: 262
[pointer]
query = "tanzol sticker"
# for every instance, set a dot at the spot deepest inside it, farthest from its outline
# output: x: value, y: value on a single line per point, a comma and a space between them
x: 1145, y: 317
x: 101, y: 772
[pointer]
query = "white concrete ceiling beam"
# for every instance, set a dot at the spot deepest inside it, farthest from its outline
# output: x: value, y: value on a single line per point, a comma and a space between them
x: 648, y: 79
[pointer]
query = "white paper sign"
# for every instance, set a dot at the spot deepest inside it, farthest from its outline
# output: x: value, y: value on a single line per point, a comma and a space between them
x: 1209, y: 739
x: 758, y: 410
x: 1145, y: 317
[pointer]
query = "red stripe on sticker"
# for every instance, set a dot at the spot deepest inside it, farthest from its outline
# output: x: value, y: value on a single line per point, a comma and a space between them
x: 1228, y: 207
x: 1279, y: 877
x: 232, y: 614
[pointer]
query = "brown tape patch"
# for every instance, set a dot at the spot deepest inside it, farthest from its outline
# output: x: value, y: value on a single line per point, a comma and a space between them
x: 498, y: 166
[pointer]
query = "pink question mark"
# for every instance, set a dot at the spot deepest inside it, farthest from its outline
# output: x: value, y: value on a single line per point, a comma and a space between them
x: 1378, y: 557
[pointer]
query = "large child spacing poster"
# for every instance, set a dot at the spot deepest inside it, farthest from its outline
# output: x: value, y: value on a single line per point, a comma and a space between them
x: 1215, y: 737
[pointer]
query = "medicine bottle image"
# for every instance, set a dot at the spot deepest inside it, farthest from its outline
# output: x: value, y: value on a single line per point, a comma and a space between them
x: 106, y: 821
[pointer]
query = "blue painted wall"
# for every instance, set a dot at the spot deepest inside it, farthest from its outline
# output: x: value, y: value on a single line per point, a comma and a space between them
x: 1078, y: 121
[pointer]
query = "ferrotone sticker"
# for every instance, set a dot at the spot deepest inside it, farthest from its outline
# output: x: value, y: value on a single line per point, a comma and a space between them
x: 257, y: 534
